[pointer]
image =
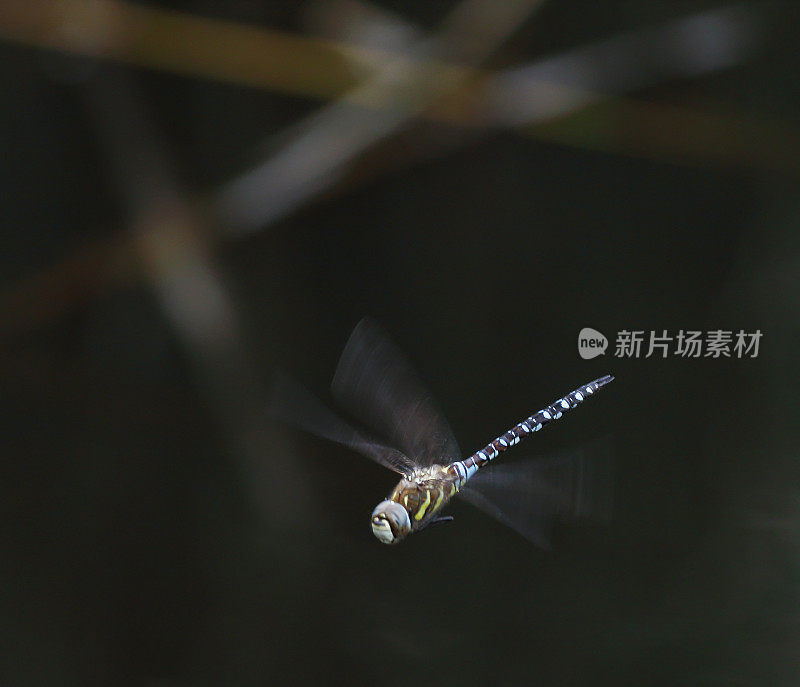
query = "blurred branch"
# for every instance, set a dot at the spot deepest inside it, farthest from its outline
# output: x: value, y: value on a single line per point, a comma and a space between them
x: 236, y: 53
x: 48, y: 295
x: 700, y: 138
x: 542, y: 99
x: 569, y: 112
x: 185, y: 44
x: 174, y: 250
x: 688, y: 47
x: 315, y: 153
x: 530, y: 97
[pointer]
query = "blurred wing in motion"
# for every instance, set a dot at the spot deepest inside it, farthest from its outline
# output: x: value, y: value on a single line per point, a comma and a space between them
x: 529, y: 495
x: 375, y: 382
x: 533, y: 524
x: 291, y: 403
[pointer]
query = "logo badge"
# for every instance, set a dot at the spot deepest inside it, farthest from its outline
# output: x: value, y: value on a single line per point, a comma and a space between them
x: 591, y: 343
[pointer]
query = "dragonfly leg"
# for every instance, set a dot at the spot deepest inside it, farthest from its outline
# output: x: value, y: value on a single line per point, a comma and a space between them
x: 440, y: 521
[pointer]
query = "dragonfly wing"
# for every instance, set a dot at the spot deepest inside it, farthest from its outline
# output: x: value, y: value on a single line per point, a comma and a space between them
x: 291, y: 403
x: 534, y: 526
x: 374, y: 381
x: 530, y: 494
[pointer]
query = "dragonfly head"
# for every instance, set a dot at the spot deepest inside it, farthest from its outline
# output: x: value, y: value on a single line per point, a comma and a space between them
x: 390, y: 522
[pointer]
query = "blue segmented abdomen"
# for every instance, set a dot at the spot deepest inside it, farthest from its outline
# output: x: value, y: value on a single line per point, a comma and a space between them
x: 464, y: 469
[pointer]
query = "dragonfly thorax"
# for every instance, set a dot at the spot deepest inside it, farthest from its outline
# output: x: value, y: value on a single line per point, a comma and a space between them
x: 391, y: 522
x: 423, y: 475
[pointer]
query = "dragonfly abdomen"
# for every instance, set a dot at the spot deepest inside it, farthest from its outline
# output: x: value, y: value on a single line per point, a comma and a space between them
x: 468, y: 467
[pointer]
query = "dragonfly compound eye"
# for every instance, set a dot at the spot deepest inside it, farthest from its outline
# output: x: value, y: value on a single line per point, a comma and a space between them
x: 390, y: 522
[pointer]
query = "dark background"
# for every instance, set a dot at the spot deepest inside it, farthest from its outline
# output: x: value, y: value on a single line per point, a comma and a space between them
x: 159, y: 530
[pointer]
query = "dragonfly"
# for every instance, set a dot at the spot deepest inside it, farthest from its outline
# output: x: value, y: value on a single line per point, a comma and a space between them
x: 375, y: 382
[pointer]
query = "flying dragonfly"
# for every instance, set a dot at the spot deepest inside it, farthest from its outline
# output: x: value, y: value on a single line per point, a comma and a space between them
x: 374, y: 382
